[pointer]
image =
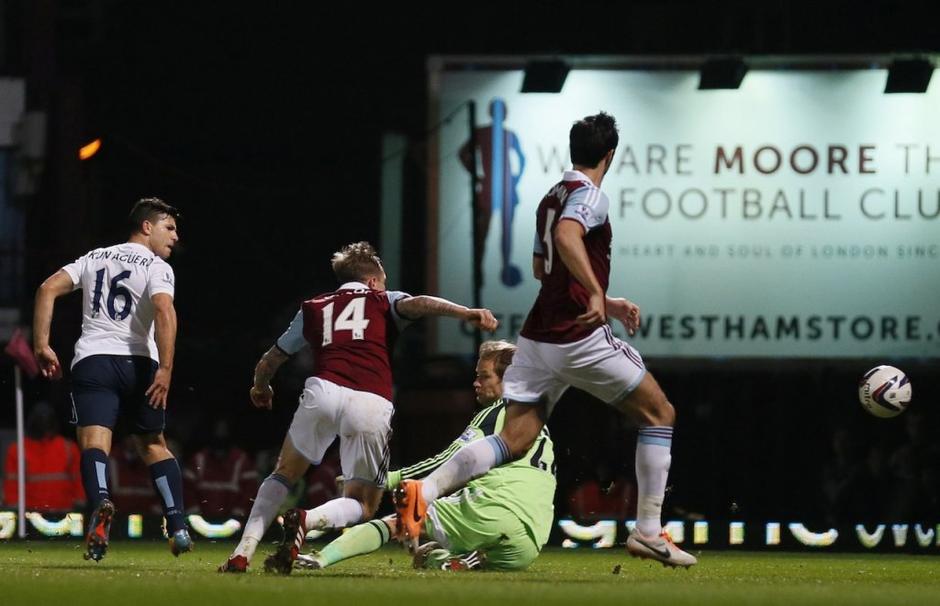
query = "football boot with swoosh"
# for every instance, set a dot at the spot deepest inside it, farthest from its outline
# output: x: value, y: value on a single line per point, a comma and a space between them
x: 660, y: 548
x: 410, y: 509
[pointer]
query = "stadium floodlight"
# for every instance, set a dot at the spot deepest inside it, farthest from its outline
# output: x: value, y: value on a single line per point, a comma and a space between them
x: 545, y: 76
x: 89, y: 150
x: 724, y: 73
x: 909, y: 76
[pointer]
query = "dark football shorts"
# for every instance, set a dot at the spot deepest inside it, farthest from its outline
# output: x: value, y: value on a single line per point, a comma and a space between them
x: 105, y: 387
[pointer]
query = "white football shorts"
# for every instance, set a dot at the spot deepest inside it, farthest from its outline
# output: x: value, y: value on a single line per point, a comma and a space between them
x: 600, y: 364
x: 362, y: 420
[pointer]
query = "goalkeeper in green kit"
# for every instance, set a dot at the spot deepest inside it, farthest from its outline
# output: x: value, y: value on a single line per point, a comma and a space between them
x: 499, y: 521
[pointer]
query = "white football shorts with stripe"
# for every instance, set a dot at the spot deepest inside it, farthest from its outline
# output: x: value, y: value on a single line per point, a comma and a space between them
x: 362, y: 421
x: 600, y: 364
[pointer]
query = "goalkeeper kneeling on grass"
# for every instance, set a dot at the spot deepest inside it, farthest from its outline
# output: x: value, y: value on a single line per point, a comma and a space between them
x: 499, y: 521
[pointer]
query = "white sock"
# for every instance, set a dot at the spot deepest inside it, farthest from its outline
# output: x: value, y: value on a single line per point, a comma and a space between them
x: 337, y: 513
x: 271, y: 495
x: 471, y: 461
x: 652, y: 469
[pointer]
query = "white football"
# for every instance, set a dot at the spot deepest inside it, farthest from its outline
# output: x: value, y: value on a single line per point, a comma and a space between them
x: 884, y: 391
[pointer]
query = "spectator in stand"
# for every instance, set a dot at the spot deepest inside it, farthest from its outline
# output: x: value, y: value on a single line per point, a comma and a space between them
x: 221, y: 477
x: 911, y: 465
x: 844, y: 483
x: 604, y: 496
x: 131, y: 484
x: 53, y: 466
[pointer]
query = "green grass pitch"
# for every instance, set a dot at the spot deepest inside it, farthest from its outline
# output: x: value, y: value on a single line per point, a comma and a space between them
x: 140, y: 574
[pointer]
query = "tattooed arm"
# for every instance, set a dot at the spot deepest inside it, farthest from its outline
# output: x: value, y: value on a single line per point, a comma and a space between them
x: 426, y: 305
x: 261, y: 392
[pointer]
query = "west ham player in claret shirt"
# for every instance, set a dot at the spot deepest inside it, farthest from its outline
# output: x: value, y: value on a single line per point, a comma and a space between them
x: 566, y: 341
x: 351, y: 332
x: 123, y: 362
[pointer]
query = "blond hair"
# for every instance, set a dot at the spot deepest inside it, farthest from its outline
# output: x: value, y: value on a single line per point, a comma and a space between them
x: 356, y: 262
x: 500, y: 352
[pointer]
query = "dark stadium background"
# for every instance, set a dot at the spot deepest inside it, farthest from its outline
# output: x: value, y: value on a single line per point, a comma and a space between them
x: 263, y: 123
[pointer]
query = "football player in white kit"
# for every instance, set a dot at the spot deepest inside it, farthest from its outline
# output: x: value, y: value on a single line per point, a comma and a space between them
x: 123, y: 361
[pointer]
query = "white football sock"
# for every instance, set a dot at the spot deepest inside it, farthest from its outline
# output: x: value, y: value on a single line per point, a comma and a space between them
x: 271, y: 494
x: 652, y: 470
x: 337, y: 513
x: 471, y: 461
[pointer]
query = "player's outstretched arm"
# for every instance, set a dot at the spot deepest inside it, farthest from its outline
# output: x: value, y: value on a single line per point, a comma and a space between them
x: 55, y: 286
x: 626, y: 312
x: 262, y: 394
x: 164, y: 322
x: 426, y: 305
x: 569, y: 242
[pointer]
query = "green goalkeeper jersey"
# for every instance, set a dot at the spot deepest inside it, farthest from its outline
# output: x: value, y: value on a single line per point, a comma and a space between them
x: 526, y: 486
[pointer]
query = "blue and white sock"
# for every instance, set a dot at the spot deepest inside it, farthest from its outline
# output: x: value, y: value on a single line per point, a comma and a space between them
x: 471, y: 461
x: 95, y: 467
x: 168, y: 482
x: 653, y: 458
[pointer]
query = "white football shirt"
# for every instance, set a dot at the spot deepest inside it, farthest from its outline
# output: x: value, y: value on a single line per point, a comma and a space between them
x: 587, y: 205
x: 117, y: 313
